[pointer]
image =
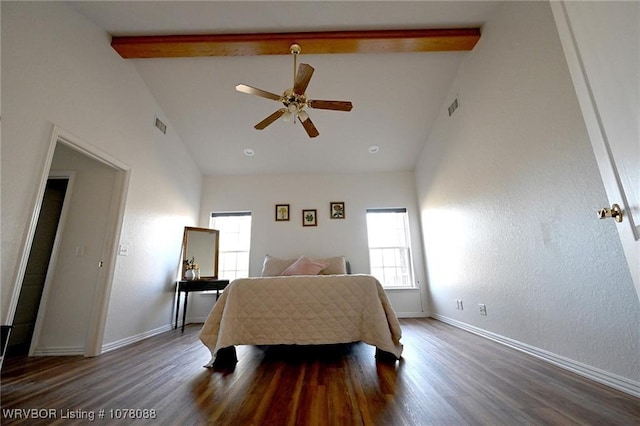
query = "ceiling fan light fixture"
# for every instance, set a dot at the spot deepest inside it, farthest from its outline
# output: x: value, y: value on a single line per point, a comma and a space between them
x: 288, y: 117
x: 294, y: 99
x: 292, y: 111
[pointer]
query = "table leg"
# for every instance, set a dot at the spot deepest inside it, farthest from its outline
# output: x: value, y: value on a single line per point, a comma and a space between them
x: 184, y: 309
x: 177, y: 309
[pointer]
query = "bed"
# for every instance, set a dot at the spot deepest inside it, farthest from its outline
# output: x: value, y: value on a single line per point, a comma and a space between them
x: 308, y: 306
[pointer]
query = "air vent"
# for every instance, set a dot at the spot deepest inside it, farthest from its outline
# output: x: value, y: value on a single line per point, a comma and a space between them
x: 453, y: 107
x: 160, y: 125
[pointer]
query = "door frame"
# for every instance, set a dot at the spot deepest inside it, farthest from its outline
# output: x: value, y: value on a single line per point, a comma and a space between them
x: 100, y: 307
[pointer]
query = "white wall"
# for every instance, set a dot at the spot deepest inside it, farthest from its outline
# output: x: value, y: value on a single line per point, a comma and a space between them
x: 508, y: 188
x: 332, y: 237
x: 59, y: 69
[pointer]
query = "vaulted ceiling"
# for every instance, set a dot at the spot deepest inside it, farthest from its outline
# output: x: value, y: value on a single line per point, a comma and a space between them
x: 396, y: 95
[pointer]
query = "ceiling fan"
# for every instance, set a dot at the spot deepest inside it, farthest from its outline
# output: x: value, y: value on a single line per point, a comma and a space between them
x: 294, y: 99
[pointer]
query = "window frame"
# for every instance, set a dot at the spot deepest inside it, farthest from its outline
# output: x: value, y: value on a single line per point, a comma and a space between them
x: 221, y: 252
x: 406, y: 248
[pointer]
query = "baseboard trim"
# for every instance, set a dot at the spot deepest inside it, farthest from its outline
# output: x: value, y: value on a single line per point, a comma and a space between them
x: 608, y: 379
x: 136, y: 338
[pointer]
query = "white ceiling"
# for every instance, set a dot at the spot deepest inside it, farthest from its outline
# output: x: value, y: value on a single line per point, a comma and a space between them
x: 395, y: 96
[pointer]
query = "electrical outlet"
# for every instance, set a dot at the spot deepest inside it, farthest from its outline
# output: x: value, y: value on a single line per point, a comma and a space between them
x: 459, y: 305
x: 483, y: 309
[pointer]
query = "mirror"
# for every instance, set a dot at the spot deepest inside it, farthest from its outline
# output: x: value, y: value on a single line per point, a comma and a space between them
x: 201, y: 245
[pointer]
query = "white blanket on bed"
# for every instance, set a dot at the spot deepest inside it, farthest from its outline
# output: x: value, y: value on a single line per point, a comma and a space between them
x: 303, y: 310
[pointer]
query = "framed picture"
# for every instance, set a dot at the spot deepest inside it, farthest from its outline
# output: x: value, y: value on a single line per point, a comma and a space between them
x: 310, y: 217
x: 337, y: 209
x: 282, y: 212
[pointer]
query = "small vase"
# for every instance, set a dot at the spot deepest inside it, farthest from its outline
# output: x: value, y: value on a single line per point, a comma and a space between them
x: 190, y: 274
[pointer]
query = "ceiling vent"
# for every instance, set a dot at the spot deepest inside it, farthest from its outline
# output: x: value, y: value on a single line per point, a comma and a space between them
x: 453, y: 107
x: 160, y: 125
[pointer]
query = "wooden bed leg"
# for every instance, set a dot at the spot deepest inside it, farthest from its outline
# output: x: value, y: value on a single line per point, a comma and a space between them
x: 385, y: 356
x: 226, y: 357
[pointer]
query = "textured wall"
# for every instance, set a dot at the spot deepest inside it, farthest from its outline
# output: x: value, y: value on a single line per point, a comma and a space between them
x: 508, y: 188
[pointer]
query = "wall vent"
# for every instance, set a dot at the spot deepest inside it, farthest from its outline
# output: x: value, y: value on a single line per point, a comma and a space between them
x: 453, y: 107
x: 163, y: 127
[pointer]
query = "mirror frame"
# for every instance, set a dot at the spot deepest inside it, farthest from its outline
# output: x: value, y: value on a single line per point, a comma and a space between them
x: 185, y: 246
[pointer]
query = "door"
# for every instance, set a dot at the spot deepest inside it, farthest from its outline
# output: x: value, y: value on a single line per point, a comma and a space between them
x: 37, y: 267
x: 601, y: 41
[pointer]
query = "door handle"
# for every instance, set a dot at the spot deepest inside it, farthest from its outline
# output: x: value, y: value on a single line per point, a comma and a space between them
x: 615, y: 212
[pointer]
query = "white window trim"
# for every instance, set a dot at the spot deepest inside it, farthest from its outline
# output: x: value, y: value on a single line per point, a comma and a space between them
x: 414, y: 286
x: 248, y: 214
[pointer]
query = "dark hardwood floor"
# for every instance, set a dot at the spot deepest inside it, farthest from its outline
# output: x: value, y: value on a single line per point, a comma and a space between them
x: 447, y: 376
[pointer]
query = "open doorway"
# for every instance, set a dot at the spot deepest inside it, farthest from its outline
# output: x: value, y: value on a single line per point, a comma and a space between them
x: 40, y: 256
x: 74, y: 258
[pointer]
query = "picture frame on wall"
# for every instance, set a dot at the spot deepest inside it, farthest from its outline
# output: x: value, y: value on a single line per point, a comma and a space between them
x: 309, y: 217
x: 337, y: 209
x: 282, y: 212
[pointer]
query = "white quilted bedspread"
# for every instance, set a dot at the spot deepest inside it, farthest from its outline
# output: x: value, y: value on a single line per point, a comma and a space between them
x: 303, y: 310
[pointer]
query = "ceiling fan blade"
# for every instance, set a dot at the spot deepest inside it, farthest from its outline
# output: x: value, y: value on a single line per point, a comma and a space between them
x: 332, y: 105
x: 303, y: 77
x: 308, y: 124
x: 270, y: 119
x: 259, y: 92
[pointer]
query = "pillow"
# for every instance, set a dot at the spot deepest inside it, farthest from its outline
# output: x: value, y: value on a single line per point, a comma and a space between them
x: 272, y: 266
x: 336, y: 266
x: 305, y: 266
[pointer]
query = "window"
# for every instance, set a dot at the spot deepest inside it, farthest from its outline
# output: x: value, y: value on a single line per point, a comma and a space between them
x: 389, y: 247
x: 235, y: 241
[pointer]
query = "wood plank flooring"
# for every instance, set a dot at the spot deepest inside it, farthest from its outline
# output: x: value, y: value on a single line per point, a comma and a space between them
x: 447, y: 376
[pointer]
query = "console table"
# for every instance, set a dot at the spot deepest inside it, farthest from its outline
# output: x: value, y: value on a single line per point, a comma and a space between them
x: 187, y: 287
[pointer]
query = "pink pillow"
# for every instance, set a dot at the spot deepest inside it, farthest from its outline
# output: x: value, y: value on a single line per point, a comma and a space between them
x: 305, y: 266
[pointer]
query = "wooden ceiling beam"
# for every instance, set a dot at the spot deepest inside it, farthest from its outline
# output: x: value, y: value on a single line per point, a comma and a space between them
x: 378, y: 41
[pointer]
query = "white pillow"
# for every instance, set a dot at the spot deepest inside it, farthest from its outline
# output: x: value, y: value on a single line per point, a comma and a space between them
x: 336, y: 266
x: 273, y: 266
